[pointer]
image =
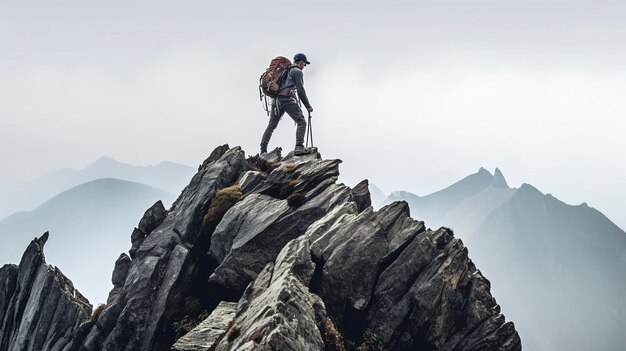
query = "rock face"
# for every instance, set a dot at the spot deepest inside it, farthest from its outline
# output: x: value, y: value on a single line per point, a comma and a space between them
x: 270, y: 253
x: 154, y: 216
x: 412, y: 288
x: 161, y: 277
x: 254, y: 230
x: 39, y: 308
x: 205, y: 336
x: 277, y: 311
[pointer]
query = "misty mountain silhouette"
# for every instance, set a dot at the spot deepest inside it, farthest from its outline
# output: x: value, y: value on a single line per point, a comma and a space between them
x: 558, y: 270
x: 91, y: 220
x: 377, y: 195
x: 167, y: 176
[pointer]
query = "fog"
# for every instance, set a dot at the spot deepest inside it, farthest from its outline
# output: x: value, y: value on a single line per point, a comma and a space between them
x: 411, y: 95
x: 432, y: 91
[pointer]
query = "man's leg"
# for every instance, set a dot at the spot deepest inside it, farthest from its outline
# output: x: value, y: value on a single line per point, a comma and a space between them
x: 273, y: 122
x: 295, y: 112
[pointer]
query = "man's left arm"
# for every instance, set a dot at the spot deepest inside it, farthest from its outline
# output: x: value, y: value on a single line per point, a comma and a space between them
x: 299, y: 80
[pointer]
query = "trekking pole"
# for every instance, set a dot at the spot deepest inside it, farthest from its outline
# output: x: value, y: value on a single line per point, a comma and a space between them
x: 309, y: 132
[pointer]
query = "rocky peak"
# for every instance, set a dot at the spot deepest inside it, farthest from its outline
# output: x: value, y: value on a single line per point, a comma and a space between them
x: 498, y: 180
x: 39, y: 307
x: 272, y: 253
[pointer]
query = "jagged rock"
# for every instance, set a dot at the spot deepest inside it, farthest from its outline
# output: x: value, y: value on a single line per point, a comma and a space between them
x: 250, y: 216
x: 39, y: 308
x: 312, y: 154
x: 136, y: 238
x: 151, y: 219
x: 251, y: 180
x: 121, y: 269
x: 301, y: 176
x: 119, y: 276
x: 8, y: 279
x: 298, y: 251
x: 159, y: 276
x: 253, y: 231
x: 207, y: 334
x: 347, y: 279
x: 215, y: 155
x: 411, y: 288
x: 273, y: 156
x: 277, y: 311
x: 361, y: 194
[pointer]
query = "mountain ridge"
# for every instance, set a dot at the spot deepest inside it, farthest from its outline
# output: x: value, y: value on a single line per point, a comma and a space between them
x: 511, y: 231
x: 97, y: 214
x: 273, y: 239
x: 168, y: 176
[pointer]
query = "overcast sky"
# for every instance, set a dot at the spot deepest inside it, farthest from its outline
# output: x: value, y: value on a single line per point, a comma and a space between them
x: 412, y: 95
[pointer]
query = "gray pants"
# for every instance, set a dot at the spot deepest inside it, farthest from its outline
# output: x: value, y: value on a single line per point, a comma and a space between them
x: 289, y: 105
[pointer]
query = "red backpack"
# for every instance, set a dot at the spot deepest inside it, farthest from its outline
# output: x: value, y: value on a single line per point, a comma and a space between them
x: 272, y: 78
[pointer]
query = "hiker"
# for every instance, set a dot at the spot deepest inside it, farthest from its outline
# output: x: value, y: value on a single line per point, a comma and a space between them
x: 287, y: 101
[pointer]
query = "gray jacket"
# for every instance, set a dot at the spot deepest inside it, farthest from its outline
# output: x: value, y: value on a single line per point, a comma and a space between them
x: 295, y: 82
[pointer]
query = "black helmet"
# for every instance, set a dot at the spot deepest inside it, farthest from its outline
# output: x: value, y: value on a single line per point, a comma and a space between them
x: 301, y: 57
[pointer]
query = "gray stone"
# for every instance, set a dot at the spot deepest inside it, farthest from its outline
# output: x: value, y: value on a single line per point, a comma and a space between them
x: 151, y: 219
x: 215, y: 155
x: 244, y: 221
x: 251, y: 180
x: 296, y: 250
x: 157, y: 277
x: 410, y: 288
x: 207, y: 334
x: 8, y: 279
x: 277, y: 311
x: 121, y: 269
x: 273, y: 156
x: 306, y: 174
x: 312, y: 154
x: 361, y: 194
x: 350, y: 259
x: 119, y: 276
x: 40, y: 309
x: 254, y: 231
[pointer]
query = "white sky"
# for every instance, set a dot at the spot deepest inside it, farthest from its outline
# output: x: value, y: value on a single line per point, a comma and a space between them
x: 412, y: 95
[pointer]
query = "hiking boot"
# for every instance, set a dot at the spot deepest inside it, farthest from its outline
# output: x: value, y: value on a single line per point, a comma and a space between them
x: 299, y: 150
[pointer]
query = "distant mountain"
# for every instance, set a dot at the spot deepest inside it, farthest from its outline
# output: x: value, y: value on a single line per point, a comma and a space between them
x: 377, y: 195
x: 93, y: 222
x: 558, y: 270
x: 458, y: 201
x: 168, y: 176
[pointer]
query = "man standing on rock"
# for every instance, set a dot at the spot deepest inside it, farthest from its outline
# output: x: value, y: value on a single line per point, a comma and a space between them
x: 287, y: 101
